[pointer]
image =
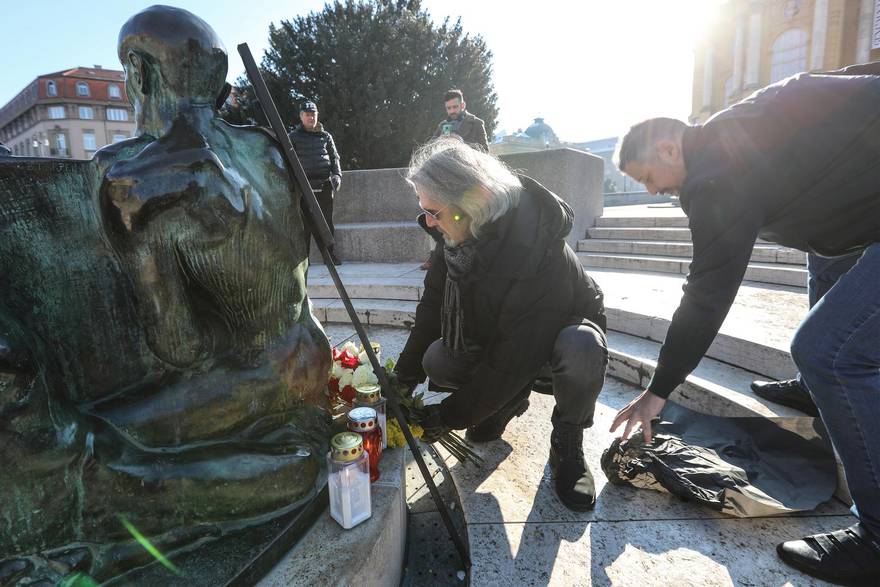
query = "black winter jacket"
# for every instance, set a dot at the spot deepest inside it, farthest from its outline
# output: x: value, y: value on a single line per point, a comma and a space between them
x: 317, y: 153
x: 526, y: 284
x: 795, y: 163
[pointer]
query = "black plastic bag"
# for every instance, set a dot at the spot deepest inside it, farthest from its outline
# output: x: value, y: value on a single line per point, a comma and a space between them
x: 744, y: 467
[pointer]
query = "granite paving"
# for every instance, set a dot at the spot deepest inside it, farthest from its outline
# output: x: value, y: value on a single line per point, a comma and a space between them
x: 520, y: 534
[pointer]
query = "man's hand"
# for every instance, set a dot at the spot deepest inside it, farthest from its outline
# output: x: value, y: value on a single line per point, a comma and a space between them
x: 335, y: 181
x: 432, y: 424
x: 641, y: 410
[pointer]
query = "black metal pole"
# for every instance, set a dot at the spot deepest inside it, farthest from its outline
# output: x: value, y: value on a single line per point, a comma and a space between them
x: 324, y: 239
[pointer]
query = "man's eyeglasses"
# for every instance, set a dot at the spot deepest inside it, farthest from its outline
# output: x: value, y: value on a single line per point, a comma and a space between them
x: 434, y: 215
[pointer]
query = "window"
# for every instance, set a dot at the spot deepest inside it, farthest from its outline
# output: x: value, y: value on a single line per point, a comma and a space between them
x: 86, y: 112
x: 56, y: 112
x: 89, y: 143
x: 789, y: 54
x: 51, y: 88
x: 119, y: 137
x: 113, y: 92
x: 61, y: 144
x: 117, y: 114
x: 82, y: 89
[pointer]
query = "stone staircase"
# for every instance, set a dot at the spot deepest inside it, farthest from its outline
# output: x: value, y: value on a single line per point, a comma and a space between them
x: 663, y: 244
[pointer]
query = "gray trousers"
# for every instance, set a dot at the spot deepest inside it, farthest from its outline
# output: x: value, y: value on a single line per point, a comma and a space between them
x: 577, y: 366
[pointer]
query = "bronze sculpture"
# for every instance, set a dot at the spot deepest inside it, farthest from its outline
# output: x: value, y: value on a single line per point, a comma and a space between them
x: 158, y: 358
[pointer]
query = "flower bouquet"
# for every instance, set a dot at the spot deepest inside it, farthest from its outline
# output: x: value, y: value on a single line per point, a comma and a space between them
x: 350, y: 369
x: 413, y: 406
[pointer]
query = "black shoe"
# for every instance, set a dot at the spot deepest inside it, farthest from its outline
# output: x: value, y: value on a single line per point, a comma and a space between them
x: 845, y: 557
x: 573, y: 480
x: 334, y: 258
x: 493, y: 427
x: 786, y: 393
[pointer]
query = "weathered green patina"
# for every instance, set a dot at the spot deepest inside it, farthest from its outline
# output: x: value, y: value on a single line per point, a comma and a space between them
x: 158, y: 356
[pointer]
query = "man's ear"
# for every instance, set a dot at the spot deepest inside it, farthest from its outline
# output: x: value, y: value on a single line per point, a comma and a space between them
x: 668, y: 151
x: 139, y: 75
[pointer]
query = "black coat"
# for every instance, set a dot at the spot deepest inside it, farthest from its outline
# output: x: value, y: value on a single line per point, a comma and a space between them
x: 317, y: 153
x: 795, y: 164
x: 526, y: 284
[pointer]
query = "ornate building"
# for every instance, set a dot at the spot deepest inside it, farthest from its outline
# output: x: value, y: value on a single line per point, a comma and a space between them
x: 757, y: 42
x: 68, y: 114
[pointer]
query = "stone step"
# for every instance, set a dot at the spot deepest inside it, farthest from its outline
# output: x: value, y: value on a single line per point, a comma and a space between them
x: 769, y: 361
x: 762, y: 253
x: 641, y: 233
x: 642, y: 222
x: 773, y: 273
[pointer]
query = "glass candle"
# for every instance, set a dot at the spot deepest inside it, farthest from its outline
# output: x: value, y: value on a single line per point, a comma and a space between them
x: 348, y: 480
x: 365, y: 422
x: 370, y: 396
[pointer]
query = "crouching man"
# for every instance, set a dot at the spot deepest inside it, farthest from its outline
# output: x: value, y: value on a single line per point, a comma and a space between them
x: 508, y: 300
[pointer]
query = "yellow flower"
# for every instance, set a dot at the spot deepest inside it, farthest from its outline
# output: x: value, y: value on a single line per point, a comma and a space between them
x: 395, y: 434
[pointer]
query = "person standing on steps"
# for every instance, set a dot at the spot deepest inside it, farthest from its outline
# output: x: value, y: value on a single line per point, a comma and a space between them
x: 320, y: 161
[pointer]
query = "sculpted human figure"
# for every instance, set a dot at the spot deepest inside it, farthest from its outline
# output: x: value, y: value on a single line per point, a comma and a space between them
x: 158, y: 357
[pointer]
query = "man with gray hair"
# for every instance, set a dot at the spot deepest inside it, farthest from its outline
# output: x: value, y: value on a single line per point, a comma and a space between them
x: 796, y: 164
x: 506, y: 298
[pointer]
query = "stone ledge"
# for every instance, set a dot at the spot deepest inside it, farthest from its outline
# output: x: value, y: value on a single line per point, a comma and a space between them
x: 371, y: 553
x: 397, y: 303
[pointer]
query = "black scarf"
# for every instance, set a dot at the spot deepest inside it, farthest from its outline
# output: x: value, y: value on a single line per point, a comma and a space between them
x: 459, y: 260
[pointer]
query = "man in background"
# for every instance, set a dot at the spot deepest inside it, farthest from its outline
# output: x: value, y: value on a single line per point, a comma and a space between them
x: 320, y: 161
x: 461, y: 123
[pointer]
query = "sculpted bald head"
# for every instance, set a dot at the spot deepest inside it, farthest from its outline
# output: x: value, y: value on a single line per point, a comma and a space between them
x: 175, y: 48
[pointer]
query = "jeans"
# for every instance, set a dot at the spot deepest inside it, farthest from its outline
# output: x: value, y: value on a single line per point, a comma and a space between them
x: 577, y: 364
x: 324, y: 196
x: 823, y: 273
x: 837, y: 349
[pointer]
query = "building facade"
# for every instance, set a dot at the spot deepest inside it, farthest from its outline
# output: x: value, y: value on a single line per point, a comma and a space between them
x: 68, y: 114
x: 758, y: 42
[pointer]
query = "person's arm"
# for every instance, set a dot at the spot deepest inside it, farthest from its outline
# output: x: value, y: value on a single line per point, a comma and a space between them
x: 335, y: 168
x: 427, y: 324
x: 482, y: 141
x: 527, y: 328
x: 724, y: 225
x: 438, y: 131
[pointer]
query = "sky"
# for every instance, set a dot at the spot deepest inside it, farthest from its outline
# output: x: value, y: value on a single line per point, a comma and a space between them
x: 590, y: 68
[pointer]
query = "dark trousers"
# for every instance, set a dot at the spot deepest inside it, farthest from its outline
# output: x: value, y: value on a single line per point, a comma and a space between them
x: 577, y: 365
x: 324, y: 195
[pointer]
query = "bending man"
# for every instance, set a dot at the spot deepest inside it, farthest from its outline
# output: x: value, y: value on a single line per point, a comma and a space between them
x: 796, y: 164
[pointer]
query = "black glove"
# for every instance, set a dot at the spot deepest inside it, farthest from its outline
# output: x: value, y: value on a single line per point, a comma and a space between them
x: 432, y: 424
x: 335, y: 181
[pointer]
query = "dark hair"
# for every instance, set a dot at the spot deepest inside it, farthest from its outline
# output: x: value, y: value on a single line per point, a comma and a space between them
x: 641, y: 138
x: 452, y: 95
